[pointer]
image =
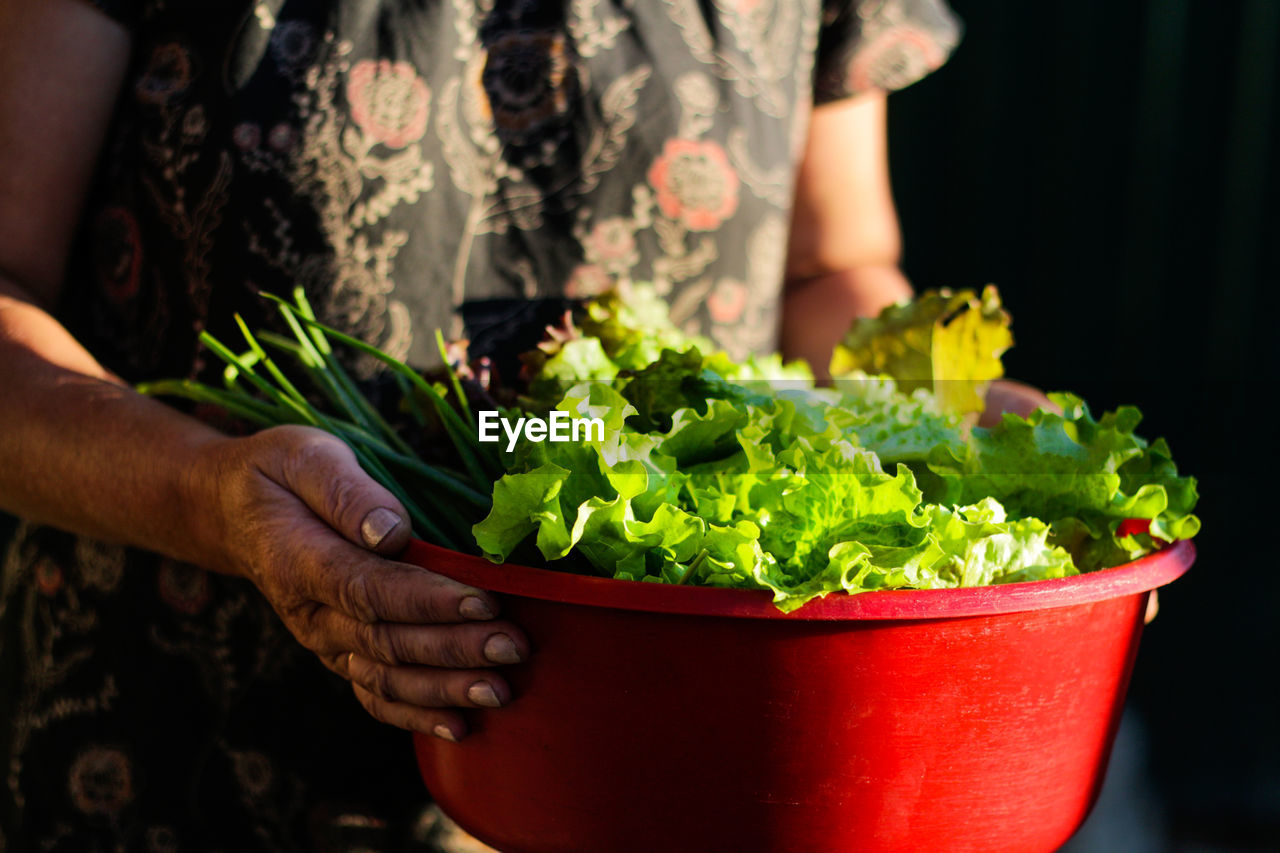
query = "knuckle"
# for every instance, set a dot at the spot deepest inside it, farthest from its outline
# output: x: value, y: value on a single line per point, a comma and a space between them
x: 343, y: 493
x: 452, y: 650
x: 380, y: 683
x: 307, y: 448
x: 381, y: 642
x: 343, y: 501
x: 358, y: 597
x: 310, y: 635
x: 285, y: 435
x: 438, y: 692
x: 432, y: 604
x: 303, y: 619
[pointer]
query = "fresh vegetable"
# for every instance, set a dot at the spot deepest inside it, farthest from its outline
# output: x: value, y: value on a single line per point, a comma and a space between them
x: 772, y: 493
x: 442, y: 501
x: 806, y: 491
x: 743, y: 473
x: 948, y: 343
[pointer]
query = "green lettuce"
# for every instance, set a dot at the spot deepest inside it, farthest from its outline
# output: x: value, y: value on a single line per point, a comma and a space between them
x: 757, y: 492
x: 880, y: 482
x: 1083, y: 476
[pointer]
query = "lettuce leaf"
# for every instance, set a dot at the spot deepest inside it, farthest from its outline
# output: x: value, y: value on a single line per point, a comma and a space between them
x: 945, y: 342
x: 634, y: 328
x: 1083, y: 476
x: 753, y: 491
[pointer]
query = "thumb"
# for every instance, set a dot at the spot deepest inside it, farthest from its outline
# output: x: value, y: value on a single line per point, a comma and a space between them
x: 323, y: 472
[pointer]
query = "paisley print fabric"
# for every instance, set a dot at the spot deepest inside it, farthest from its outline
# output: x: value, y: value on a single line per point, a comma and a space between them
x: 409, y: 165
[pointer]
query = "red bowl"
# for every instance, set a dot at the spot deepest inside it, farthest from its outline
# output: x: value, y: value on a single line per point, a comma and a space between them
x: 664, y: 718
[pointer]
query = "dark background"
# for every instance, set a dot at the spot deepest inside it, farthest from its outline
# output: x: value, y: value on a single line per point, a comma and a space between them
x: 1111, y: 166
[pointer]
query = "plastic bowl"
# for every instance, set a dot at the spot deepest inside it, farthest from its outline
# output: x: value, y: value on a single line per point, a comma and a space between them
x: 663, y: 718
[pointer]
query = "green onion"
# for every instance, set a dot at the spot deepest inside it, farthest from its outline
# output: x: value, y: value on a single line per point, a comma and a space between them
x: 444, y: 503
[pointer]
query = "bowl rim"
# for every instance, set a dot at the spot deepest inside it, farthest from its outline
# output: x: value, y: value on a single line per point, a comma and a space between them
x: 1140, y: 576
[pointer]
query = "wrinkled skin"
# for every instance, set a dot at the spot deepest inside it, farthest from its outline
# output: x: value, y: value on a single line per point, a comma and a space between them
x: 318, y: 537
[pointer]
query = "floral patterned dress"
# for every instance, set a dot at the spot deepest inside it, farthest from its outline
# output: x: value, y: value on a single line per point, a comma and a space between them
x: 454, y: 164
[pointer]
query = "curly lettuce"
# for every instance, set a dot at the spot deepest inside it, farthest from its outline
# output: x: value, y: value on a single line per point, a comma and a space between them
x: 705, y: 474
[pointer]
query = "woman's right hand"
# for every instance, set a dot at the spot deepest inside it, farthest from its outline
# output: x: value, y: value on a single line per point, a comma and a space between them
x: 290, y: 509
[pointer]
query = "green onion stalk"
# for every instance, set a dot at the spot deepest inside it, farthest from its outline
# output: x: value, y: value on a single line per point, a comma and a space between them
x: 442, y: 503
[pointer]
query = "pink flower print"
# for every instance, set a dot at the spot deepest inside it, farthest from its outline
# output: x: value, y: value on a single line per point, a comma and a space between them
x: 612, y: 245
x: 389, y: 101
x: 695, y: 184
x: 101, y: 781
x: 894, y: 58
x: 728, y: 301
x: 587, y: 280
x: 184, y: 588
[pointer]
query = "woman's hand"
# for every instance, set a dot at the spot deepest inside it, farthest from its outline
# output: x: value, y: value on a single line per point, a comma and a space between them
x: 1008, y: 395
x: 290, y: 509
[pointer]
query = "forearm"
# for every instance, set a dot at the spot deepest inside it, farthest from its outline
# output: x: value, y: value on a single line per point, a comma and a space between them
x: 287, y: 508
x: 844, y: 243
x: 78, y: 449
x: 817, y: 311
x: 82, y: 451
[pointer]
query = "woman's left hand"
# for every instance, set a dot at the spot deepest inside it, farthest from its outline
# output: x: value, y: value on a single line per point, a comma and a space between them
x: 1008, y: 395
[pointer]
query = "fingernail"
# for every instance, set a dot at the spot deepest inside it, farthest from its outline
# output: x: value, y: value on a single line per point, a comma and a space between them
x: 377, y: 524
x: 501, y: 649
x: 474, y: 608
x: 482, y: 693
x: 444, y: 733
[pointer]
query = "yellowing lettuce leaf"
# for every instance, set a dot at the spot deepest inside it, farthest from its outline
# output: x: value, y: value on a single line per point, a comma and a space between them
x: 946, y: 342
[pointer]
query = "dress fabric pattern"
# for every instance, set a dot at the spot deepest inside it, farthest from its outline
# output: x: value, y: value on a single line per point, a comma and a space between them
x: 409, y: 165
